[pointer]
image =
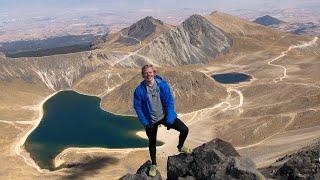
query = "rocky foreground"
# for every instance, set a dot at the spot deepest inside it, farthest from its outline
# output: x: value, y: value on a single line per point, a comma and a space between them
x: 218, y: 159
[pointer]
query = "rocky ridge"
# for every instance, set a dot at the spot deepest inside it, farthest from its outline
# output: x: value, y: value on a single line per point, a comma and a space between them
x: 56, y: 72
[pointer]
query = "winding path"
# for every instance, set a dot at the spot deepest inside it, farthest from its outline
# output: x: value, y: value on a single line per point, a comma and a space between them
x: 228, y: 105
x: 284, y: 53
x: 292, y: 115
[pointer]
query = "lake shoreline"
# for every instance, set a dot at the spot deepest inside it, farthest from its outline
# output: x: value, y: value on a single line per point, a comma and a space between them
x: 20, y: 150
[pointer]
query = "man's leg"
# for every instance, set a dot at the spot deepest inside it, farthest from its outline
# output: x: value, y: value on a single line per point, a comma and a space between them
x: 152, y: 136
x: 182, y: 128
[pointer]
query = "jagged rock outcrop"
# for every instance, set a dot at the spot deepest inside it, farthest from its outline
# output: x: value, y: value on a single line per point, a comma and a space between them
x: 304, y: 164
x: 195, y: 41
x: 216, y: 159
x: 142, y: 173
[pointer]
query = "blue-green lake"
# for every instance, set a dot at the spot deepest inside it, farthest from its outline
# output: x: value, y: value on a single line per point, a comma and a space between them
x: 71, y: 119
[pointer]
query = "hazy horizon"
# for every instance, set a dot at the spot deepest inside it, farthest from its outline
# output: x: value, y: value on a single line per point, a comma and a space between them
x: 51, y: 7
x: 38, y: 19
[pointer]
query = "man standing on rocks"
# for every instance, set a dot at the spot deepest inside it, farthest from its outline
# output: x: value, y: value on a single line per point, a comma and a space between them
x: 154, y: 105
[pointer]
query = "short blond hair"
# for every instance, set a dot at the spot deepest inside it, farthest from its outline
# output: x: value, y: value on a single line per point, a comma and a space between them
x: 147, y: 66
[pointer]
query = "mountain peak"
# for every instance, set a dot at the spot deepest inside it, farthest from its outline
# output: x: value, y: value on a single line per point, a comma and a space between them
x: 144, y: 27
x: 197, y: 26
x: 195, y: 17
x: 150, y: 19
x: 195, y: 23
x: 267, y: 21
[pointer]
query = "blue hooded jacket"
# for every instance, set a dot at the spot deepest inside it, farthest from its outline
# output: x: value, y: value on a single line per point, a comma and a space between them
x: 142, y: 104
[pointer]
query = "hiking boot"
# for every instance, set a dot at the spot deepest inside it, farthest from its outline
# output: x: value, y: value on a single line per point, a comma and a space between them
x: 185, y: 150
x: 153, y: 170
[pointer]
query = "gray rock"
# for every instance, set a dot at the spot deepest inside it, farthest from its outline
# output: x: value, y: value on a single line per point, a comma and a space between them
x: 216, y: 159
x: 243, y: 168
x: 177, y: 168
x: 142, y: 173
x: 224, y: 147
x: 187, y: 178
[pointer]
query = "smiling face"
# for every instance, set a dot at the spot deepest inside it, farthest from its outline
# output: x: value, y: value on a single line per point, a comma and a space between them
x: 148, y: 75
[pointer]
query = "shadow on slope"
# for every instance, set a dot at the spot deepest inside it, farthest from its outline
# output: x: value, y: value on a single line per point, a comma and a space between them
x: 89, y: 168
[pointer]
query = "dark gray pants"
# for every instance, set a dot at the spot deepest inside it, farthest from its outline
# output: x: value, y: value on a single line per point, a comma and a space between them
x: 152, y: 135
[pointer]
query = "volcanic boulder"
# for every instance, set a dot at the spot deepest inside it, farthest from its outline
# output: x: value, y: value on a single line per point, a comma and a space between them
x: 216, y: 159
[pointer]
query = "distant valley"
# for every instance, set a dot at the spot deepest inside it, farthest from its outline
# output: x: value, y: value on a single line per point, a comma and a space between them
x: 50, y: 46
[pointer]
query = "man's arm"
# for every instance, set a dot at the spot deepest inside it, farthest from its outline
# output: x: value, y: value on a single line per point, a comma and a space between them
x: 138, y: 108
x: 170, y: 112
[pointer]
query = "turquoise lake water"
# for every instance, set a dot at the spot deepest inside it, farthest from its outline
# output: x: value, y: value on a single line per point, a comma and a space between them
x: 74, y: 120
